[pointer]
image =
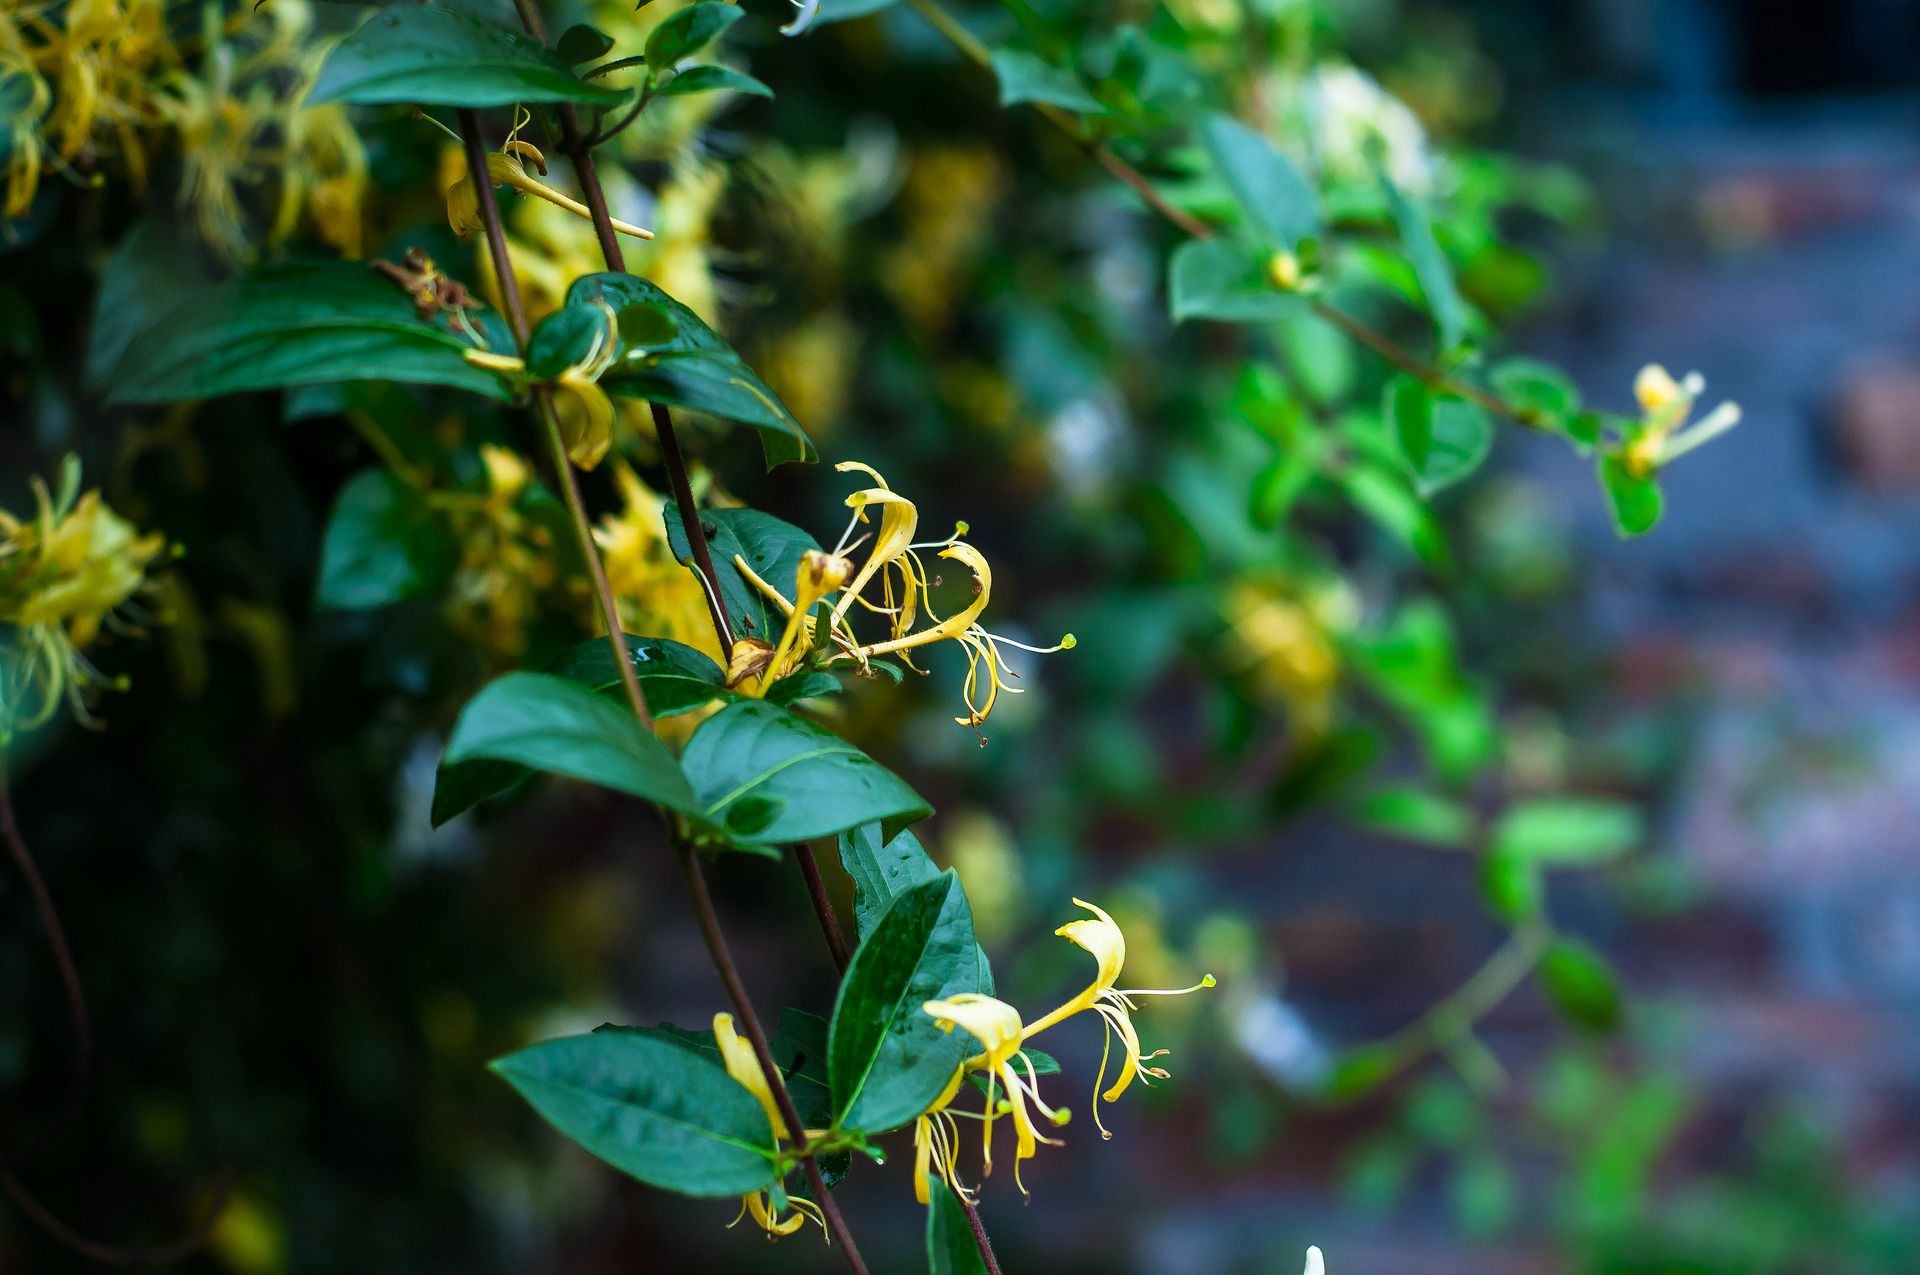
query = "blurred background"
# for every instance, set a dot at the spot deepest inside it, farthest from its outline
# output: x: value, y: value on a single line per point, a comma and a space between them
x: 297, y: 981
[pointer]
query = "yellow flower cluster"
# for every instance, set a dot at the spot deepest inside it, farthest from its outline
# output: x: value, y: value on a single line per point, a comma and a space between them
x: 897, y: 567
x: 1009, y: 1070
x: 64, y: 575
x: 100, y: 78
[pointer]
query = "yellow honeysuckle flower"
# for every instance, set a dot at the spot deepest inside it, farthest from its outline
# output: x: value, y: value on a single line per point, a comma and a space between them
x: 996, y: 1025
x: 1666, y: 404
x: 1101, y: 937
x: 738, y: 1057
x: 896, y: 557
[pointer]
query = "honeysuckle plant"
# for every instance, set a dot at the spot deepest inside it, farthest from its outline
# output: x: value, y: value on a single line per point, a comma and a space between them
x: 1298, y: 213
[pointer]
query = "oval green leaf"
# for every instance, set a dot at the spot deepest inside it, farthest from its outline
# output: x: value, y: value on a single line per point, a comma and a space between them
x: 765, y: 775
x: 650, y: 1107
x: 887, y: 1060
x: 434, y: 55
x: 549, y: 723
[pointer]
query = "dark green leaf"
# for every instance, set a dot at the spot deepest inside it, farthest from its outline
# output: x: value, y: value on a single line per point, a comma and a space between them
x: 1581, y: 984
x: 881, y: 869
x: 1026, y: 78
x: 673, y: 679
x: 808, y: 684
x: 1220, y: 279
x: 650, y: 1107
x: 887, y: 1058
x: 565, y: 338
x: 436, y: 55
x: 709, y: 78
x: 1275, y: 197
x: 549, y: 723
x: 1568, y: 831
x: 951, y: 1248
x: 696, y: 369
x: 689, y: 30
x: 766, y: 775
x: 1430, y: 264
x: 772, y: 549
x: 1443, y: 439
x: 798, y: 1047
x: 1634, y: 501
x: 582, y: 43
x: 302, y: 323
x: 383, y: 544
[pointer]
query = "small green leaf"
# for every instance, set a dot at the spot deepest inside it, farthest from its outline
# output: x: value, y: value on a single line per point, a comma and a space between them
x: 766, y: 775
x: 1533, y: 386
x: 1275, y: 197
x: 650, y: 1107
x: 951, y: 1248
x: 1443, y: 439
x: 689, y: 30
x: 771, y: 548
x: 1581, y: 983
x: 882, y: 868
x: 582, y: 43
x: 1634, y: 501
x: 696, y: 369
x: 300, y: 323
x: 1430, y: 264
x: 887, y: 1058
x: 710, y: 78
x: 1025, y: 77
x: 1568, y: 831
x: 1417, y: 815
x: 1512, y: 886
x: 437, y: 55
x: 549, y: 723
x: 806, y: 684
x: 1219, y: 279
x: 384, y: 544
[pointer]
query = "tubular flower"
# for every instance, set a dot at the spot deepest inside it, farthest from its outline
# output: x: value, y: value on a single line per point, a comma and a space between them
x: 508, y: 167
x: 936, y: 1142
x: 1101, y: 938
x: 63, y: 577
x: 895, y: 561
x: 996, y: 1025
x: 743, y: 1066
x: 1665, y: 405
x: 754, y: 665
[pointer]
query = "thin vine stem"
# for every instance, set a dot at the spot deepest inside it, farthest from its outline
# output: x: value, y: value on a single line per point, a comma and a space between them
x: 1387, y: 348
x: 822, y: 904
x: 716, y: 943
x: 1473, y: 1000
x: 81, y: 1035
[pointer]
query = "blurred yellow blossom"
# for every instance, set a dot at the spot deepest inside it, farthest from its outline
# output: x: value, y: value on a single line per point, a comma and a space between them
x: 64, y: 574
x: 655, y: 593
x: 1665, y: 405
x: 506, y: 558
